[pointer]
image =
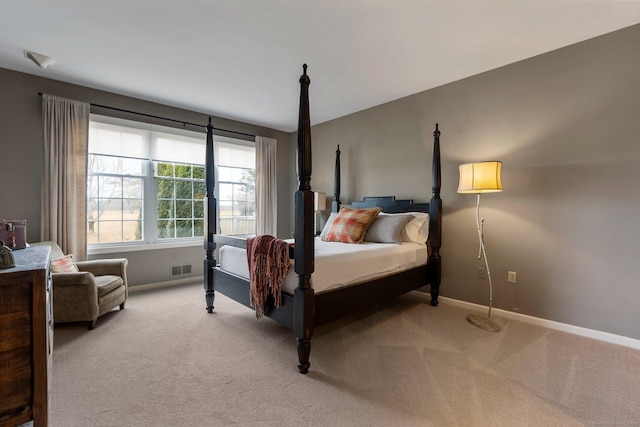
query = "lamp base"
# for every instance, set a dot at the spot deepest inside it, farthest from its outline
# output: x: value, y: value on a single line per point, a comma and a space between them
x: 483, y: 323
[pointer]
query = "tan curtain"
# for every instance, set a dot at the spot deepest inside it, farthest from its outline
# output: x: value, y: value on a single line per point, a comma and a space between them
x: 66, y: 133
x: 266, y: 191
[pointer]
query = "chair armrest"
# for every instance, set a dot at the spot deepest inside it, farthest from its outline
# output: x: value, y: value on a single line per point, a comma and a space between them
x: 103, y: 267
x: 75, y: 297
x: 83, y: 278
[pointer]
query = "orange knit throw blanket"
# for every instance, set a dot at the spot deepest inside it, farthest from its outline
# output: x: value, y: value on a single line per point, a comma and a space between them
x: 268, y: 260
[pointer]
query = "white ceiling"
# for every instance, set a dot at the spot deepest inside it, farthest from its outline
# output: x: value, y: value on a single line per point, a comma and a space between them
x: 241, y: 59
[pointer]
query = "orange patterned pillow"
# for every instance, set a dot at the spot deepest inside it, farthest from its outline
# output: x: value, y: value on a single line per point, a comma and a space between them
x: 64, y: 265
x: 350, y: 225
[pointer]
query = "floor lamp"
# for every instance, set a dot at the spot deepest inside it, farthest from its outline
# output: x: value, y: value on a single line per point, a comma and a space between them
x: 478, y: 178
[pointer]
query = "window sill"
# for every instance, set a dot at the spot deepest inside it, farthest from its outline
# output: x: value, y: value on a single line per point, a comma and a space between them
x: 116, y: 248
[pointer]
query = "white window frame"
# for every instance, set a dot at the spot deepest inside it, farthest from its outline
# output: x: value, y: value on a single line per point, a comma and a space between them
x: 150, y: 202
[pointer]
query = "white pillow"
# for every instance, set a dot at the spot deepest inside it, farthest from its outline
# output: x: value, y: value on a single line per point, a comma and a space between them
x: 416, y: 230
x: 327, y: 226
x: 387, y: 228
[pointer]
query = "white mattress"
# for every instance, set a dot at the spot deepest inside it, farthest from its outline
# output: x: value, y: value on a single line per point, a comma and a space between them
x: 339, y: 264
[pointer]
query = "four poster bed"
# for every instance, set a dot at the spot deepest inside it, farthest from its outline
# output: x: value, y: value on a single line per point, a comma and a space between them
x: 304, y: 306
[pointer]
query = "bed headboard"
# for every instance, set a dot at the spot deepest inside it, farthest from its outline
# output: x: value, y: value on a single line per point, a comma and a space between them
x: 389, y: 204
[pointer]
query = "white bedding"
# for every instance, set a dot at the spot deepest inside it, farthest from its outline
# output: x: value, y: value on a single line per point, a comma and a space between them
x: 340, y: 264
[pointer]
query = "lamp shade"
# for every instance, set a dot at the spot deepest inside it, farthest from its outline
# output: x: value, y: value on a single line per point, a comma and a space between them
x: 481, y: 177
x: 319, y: 201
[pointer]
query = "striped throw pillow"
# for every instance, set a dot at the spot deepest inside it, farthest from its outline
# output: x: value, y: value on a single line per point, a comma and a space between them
x: 64, y: 265
x: 350, y: 225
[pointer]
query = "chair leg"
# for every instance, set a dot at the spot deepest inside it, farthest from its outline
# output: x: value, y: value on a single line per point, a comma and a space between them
x: 122, y: 305
x: 92, y: 323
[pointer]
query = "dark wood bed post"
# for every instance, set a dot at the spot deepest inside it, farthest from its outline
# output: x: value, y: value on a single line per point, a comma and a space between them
x: 304, y: 233
x: 435, y: 219
x: 210, y: 205
x: 335, y: 206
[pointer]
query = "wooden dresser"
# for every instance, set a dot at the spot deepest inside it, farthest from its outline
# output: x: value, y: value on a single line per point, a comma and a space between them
x: 26, y: 338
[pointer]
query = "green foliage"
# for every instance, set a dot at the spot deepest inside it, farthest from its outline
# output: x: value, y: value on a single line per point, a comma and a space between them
x: 184, y: 228
x: 184, y: 190
x: 165, y: 209
x: 138, y: 231
x: 164, y: 169
x: 198, y: 209
x: 183, y: 171
x: 166, y: 229
x: 166, y: 189
x: 178, y: 214
x: 198, y: 227
x: 184, y: 208
x: 198, y: 172
x: 199, y: 190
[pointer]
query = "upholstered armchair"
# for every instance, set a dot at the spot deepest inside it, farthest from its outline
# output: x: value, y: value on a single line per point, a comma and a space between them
x: 97, y: 288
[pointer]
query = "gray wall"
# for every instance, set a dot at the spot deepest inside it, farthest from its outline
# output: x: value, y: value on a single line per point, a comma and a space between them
x: 21, y: 148
x: 566, y: 126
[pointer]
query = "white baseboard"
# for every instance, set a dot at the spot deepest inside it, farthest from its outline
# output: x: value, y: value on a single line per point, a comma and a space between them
x: 564, y: 327
x: 159, y: 285
x: 551, y: 324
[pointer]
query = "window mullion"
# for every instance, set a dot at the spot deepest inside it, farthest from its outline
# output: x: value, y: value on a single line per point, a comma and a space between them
x: 150, y: 204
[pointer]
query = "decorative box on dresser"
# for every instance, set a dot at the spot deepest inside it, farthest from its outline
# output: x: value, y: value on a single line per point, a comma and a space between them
x: 26, y: 338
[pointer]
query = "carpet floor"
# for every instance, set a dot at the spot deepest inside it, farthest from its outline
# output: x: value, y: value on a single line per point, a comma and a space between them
x: 165, y: 361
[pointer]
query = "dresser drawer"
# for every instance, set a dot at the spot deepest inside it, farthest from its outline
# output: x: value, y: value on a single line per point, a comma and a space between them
x: 16, y: 378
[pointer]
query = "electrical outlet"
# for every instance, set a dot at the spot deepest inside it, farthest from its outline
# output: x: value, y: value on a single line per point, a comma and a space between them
x: 482, y: 273
x: 511, y: 278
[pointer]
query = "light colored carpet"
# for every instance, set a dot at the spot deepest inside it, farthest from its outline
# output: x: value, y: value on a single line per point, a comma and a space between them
x: 164, y: 361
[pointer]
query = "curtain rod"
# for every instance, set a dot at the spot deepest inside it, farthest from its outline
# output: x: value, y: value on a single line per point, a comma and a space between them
x: 184, y: 123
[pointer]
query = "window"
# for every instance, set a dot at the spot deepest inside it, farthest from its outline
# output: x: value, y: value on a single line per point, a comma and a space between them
x: 236, y: 191
x: 146, y: 184
x: 114, y: 199
x: 181, y: 191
